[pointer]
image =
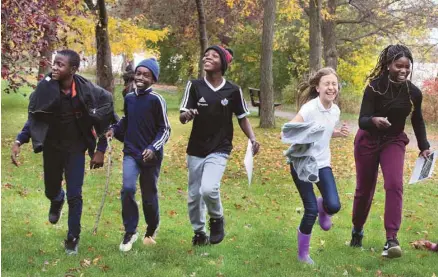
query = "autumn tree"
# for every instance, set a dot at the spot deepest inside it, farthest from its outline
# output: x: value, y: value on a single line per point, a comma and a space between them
x: 267, y: 117
x: 203, y: 39
x: 29, y: 33
x: 104, y: 69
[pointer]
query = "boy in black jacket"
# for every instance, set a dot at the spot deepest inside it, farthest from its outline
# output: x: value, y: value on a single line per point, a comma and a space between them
x: 65, y: 112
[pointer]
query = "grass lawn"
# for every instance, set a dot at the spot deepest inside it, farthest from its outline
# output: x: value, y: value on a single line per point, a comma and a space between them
x: 261, y: 219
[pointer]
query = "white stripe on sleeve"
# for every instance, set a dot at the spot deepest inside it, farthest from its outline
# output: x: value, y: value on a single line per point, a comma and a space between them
x: 165, y: 137
x: 186, y: 97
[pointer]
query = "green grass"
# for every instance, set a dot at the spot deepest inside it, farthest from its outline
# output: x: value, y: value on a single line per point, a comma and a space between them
x: 261, y: 220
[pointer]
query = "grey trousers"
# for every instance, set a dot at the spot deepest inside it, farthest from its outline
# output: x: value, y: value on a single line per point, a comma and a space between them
x: 205, y: 175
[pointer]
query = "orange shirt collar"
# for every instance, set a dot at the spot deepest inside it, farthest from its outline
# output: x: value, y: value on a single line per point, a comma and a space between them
x: 73, y: 89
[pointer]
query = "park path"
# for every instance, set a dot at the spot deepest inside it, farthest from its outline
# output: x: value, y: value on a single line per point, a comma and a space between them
x: 353, y: 125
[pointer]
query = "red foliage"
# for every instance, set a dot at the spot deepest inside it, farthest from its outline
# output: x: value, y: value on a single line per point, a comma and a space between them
x: 27, y: 30
x: 430, y: 99
x: 430, y: 87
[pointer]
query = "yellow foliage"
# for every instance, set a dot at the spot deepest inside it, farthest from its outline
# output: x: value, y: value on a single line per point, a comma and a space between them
x: 289, y: 10
x: 85, y: 41
x: 220, y: 20
x: 355, y: 67
x: 125, y: 36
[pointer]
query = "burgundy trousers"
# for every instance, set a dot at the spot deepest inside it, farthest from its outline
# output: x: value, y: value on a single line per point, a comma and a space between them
x: 388, y: 151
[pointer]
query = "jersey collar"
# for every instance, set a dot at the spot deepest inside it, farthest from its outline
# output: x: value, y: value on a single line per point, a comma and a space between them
x: 213, y: 88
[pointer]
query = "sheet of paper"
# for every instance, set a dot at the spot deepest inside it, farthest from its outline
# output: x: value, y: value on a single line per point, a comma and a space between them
x: 423, y: 168
x: 249, y: 161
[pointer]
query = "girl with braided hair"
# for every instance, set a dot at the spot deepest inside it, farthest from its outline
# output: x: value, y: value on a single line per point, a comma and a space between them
x: 388, y: 99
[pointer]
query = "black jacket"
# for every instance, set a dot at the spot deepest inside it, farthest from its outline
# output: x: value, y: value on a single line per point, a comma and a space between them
x: 96, y: 116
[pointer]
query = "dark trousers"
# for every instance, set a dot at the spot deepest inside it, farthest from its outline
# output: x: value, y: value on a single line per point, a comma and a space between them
x: 369, y: 152
x: 72, y: 164
x: 149, y: 193
x: 329, y: 193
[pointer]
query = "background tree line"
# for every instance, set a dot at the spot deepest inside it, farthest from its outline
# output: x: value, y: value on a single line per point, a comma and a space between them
x: 276, y: 43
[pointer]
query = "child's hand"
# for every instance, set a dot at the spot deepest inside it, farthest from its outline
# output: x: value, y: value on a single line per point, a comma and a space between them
x: 345, y: 131
x: 255, y: 147
x: 97, y: 160
x: 15, y: 151
x: 425, y: 153
x: 190, y: 114
x: 109, y: 134
x: 148, y: 155
x: 381, y: 122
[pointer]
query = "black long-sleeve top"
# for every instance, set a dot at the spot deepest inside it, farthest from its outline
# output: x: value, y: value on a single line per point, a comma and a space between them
x: 394, y: 101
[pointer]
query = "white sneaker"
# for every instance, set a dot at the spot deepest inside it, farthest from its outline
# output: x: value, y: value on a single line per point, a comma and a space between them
x: 128, y: 241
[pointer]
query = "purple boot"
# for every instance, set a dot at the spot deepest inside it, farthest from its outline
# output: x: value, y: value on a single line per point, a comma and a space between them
x: 324, y: 218
x: 303, y: 247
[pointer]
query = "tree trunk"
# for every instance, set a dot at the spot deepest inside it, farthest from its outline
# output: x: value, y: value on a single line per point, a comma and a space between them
x: 267, y: 118
x: 49, y: 40
x: 329, y: 36
x: 315, y: 61
x: 203, y: 40
x: 104, y: 70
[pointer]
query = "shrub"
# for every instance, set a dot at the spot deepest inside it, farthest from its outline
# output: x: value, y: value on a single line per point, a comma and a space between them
x: 430, y: 100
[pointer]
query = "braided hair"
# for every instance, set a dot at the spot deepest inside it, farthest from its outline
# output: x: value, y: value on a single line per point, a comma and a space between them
x: 386, y: 57
x: 390, y: 54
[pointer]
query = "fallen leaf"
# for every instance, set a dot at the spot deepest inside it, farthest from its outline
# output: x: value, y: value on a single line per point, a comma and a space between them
x: 104, y: 268
x: 85, y: 263
x: 96, y: 260
x: 7, y: 186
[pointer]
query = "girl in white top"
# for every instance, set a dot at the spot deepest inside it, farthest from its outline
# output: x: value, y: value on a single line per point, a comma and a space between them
x: 319, y: 95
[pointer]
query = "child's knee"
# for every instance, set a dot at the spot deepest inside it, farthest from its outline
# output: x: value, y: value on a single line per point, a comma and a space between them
x: 333, y: 208
x: 209, y: 192
x: 311, y: 212
x: 128, y: 190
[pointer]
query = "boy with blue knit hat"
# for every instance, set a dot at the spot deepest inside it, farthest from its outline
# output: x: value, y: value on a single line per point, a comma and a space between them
x: 144, y: 130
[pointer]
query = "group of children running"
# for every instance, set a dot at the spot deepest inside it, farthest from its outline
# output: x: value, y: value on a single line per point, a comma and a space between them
x: 65, y: 122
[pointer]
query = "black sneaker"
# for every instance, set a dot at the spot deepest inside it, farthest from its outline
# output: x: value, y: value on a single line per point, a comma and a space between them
x: 217, y: 232
x: 128, y: 241
x: 356, y: 238
x: 392, y: 249
x: 71, y: 245
x: 200, y: 239
x: 55, y: 211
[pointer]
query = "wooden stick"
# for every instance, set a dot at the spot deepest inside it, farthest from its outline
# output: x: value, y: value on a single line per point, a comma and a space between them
x: 108, y: 174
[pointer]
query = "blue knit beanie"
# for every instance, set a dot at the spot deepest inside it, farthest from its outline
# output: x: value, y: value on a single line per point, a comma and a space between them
x: 152, y: 65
